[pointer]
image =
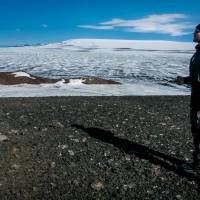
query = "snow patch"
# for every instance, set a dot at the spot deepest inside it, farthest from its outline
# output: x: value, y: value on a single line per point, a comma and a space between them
x: 76, y: 81
x: 22, y: 74
x: 3, y: 137
x: 59, y: 83
x: 42, y: 90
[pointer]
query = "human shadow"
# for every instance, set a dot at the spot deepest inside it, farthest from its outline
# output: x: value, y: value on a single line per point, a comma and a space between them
x: 129, y: 147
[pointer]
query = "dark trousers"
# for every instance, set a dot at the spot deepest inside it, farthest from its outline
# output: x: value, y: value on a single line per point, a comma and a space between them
x: 195, y: 129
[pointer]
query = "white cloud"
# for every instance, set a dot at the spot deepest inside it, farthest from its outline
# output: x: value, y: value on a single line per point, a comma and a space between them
x: 44, y: 25
x: 171, y: 24
x: 113, y: 22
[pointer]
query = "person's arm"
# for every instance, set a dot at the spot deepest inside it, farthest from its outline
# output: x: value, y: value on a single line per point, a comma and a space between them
x: 187, y: 80
x: 190, y: 81
x: 183, y: 80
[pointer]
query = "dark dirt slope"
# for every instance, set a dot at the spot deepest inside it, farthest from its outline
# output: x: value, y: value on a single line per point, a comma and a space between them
x: 9, y: 78
x: 95, y: 148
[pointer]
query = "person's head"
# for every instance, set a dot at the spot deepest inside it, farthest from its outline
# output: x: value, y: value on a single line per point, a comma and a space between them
x: 197, y: 34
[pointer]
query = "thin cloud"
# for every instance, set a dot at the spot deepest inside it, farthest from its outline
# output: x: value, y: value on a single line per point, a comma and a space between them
x: 113, y: 22
x: 171, y: 24
x: 97, y: 27
x: 44, y: 25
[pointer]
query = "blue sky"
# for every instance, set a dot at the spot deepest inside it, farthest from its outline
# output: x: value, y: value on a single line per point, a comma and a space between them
x: 46, y: 21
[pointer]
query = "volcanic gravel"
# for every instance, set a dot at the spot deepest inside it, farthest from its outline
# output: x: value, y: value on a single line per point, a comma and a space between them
x: 96, y: 148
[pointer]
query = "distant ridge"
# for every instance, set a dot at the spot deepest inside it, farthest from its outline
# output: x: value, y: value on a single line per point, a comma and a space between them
x: 92, y: 44
x: 123, y: 44
x: 22, y: 45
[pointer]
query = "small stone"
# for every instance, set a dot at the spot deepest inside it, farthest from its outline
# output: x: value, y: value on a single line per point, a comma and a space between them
x: 173, y: 153
x: 97, y: 185
x: 192, y: 182
x: 128, y: 186
x: 71, y: 153
x: 76, y: 182
x: 14, y: 131
x: 64, y: 146
x: 52, y: 164
x: 14, y: 151
x: 187, y: 159
x: 84, y: 139
x: 15, y: 166
x: 163, y: 179
x: 167, y: 192
x: 127, y: 157
x: 154, y: 136
x: 56, y: 124
x: 149, y: 191
x: 72, y: 164
x: 75, y: 140
x: 34, y: 189
x: 53, y: 184
x: 44, y: 129
x: 3, y: 137
x: 156, y: 171
x: 147, y: 142
x: 178, y: 196
x: 125, y: 187
x: 106, y: 153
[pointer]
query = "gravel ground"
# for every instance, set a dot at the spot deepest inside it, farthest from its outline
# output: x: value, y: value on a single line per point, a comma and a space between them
x: 95, y: 148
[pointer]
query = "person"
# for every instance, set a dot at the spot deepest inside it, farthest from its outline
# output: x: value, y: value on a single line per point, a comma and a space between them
x: 194, y: 80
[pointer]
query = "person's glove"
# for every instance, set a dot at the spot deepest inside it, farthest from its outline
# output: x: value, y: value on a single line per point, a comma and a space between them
x: 179, y: 80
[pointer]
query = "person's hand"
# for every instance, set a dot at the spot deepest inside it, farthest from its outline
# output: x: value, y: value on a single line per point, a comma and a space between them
x: 179, y: 80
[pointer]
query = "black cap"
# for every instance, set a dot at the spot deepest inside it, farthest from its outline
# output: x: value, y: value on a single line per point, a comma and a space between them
x: 198, y: 27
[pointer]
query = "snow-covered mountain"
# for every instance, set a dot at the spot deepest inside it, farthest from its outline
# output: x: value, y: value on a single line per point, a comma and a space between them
x: 123, y: 44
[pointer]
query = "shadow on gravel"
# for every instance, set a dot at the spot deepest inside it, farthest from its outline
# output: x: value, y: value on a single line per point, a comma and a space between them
x: 130, y: 147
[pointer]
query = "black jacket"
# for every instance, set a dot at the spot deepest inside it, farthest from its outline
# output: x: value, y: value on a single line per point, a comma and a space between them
x: 194, y: 78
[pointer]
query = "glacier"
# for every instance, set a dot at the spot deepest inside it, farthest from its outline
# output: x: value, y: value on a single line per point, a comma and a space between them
x: 143, y: 67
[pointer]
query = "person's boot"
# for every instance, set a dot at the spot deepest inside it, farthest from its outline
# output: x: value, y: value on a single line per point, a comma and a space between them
x: 192, y: 167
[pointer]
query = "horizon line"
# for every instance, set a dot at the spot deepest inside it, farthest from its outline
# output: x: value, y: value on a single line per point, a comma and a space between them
x: 46, y: 43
